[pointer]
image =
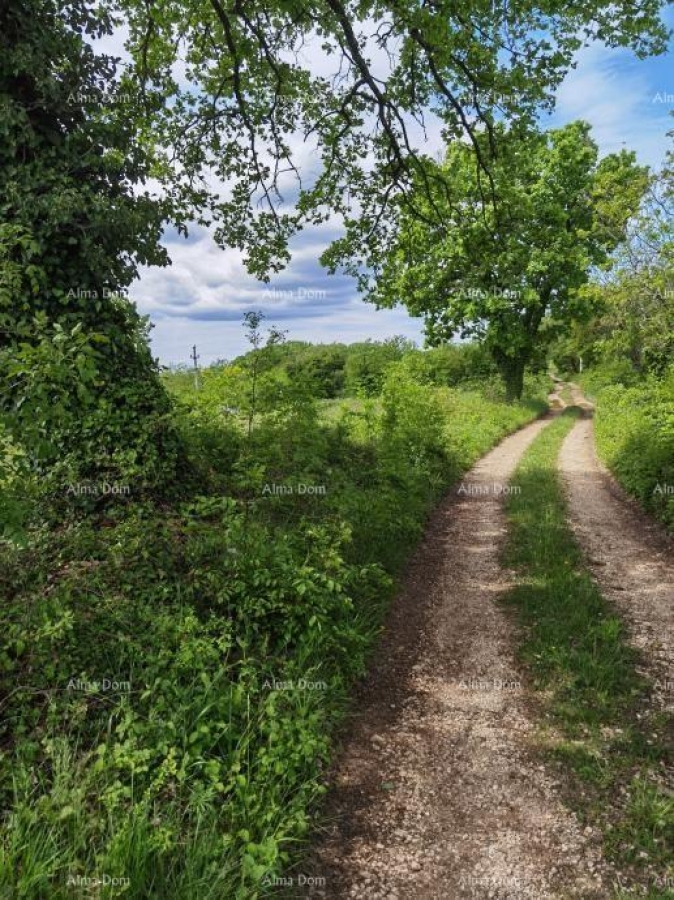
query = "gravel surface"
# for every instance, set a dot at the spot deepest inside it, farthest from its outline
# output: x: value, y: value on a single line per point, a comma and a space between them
x: 437, y: 792
x: 630, y: 556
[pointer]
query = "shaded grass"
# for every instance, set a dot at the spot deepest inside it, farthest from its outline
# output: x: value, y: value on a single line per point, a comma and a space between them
x: 615, y: 751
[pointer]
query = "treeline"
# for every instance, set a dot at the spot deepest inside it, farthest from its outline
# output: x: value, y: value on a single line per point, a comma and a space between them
x: 331, y: 371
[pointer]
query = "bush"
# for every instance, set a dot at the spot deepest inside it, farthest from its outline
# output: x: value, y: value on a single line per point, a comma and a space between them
x: 182, y: 664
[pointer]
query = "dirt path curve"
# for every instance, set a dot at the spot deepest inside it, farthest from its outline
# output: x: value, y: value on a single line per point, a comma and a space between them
x: 437, y: 795
x: 630, y: 556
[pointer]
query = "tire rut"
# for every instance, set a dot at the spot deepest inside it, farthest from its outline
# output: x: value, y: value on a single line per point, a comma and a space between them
x: 437, y: 793
x: 630, y: 556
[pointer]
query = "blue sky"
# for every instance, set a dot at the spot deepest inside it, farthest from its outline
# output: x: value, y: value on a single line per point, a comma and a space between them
x: 200, y: 299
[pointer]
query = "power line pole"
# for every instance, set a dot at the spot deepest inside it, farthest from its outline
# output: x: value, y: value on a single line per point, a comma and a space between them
x: 194, y: 357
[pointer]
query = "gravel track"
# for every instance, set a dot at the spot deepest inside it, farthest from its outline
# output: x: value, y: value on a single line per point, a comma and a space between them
x: 630, y: 556
x: 437, y: 792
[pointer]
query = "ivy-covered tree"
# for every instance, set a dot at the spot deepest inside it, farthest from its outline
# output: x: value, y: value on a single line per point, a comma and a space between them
x: 80, y: 388
x: 498, y: 268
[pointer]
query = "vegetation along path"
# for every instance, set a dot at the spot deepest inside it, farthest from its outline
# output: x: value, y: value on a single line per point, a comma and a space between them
x: 438, y: 792
x: 630, y: 556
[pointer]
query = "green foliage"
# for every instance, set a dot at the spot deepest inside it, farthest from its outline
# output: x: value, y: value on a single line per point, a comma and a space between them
x: 159, y: 737
x: 326, y: 372
x: 635, y: 437
x: 633, y: 325
x: 366, y: 365
x: 194, y: 616
x: 580, y: 658
x: 244, y: 92
x: 80, y: 388
x: 18, y: 493
x: 454, y: 364
x: 507, y: 259
x: 320, y: 368
x: 172, y: 673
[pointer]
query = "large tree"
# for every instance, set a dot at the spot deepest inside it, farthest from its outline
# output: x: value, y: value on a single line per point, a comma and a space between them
x: 498, y: 265
x: 302, y: 107
x: 79, y: 384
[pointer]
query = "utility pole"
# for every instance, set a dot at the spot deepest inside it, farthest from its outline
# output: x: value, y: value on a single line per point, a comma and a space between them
x: 194, y: 357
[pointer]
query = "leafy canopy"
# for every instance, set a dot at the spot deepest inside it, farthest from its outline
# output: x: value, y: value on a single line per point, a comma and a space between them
x: 496, y: 270
x: 305, y: 108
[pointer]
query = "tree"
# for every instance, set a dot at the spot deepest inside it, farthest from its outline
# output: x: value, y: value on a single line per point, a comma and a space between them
x: 82, y: 388
x: 234, y: 90
x: 252, y: 322
x: 635, y: 320
x: 320, y: 367
x: 497, y: 270
x: 367, y: 363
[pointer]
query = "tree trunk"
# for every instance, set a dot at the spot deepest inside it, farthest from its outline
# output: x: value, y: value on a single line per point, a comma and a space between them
x: 512, y: 372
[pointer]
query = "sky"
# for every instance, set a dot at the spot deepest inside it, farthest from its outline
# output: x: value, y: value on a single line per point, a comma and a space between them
x: 200, y: 299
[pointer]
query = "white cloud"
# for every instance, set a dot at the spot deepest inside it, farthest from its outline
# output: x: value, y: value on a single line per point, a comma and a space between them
x: 614, y: 92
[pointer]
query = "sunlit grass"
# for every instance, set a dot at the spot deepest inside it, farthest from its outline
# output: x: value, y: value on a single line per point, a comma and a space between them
x: 577, y: 652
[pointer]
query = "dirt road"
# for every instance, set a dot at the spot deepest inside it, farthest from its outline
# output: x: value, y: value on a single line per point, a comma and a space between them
x: 437, y: 792
x: 630, y: 557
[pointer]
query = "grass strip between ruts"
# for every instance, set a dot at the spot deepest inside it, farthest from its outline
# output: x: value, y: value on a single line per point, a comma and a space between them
x: 615, y: 752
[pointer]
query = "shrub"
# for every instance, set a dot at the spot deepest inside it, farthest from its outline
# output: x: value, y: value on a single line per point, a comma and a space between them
x: 198, y: 772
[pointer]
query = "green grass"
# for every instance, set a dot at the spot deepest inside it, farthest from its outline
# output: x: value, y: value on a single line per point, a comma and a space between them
x: 200, y: 781
x: 614, y: 751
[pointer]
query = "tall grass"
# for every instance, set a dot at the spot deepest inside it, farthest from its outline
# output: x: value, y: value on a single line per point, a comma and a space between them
x: 635, y: 438
x: 233, y: 626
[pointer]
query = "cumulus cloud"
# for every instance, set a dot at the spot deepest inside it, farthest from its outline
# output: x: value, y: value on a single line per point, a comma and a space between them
x: 205, y: 282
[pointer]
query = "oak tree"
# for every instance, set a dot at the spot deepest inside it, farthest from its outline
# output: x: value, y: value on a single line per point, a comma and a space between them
x: 494, y: 270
